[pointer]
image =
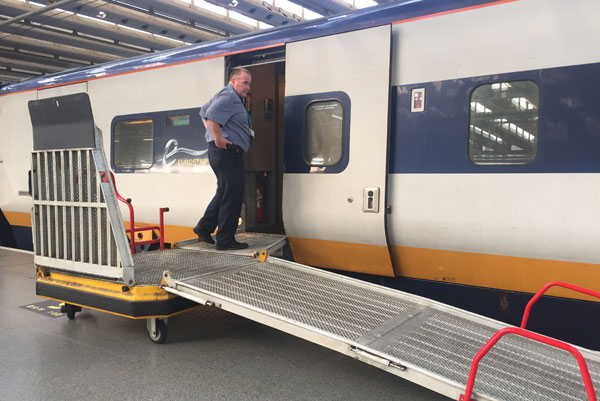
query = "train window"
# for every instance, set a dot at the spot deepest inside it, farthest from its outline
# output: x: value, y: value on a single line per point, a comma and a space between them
x: 178, y: 120
x: 503, y: 123
x: 323, y: 133
x: 133, y: 143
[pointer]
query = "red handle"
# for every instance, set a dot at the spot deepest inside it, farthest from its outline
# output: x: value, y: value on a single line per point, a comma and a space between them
x: 589, y: 387
x: 544, y: 289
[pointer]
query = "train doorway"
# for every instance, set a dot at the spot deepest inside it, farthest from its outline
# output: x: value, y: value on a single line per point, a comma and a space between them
x: 263, y: 163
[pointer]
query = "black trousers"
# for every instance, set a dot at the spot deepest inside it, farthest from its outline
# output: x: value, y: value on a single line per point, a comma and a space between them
x: 225, y: 208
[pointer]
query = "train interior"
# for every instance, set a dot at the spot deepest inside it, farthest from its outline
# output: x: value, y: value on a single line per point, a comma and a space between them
x: 264, y: 162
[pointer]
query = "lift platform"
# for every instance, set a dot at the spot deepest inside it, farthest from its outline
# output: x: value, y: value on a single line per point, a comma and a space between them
x: 84, y: 259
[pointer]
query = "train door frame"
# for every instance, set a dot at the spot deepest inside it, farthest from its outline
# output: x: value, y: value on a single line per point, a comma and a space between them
x: 264, y: 161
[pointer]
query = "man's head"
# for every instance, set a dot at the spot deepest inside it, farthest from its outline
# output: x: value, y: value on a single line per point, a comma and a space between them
x: 240, y: 79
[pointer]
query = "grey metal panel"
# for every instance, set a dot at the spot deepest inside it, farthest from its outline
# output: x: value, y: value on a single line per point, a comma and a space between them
x: 259, y: 10
x: 64, y: 122
x: 325, y: 7
x: 187, y: 12
x: 256, y: 243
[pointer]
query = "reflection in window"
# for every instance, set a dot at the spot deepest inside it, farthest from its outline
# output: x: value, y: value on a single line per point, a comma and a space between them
x: 323, y: 133
x: 133, y: 144
x: 503, y: 124
x: 178, y: 120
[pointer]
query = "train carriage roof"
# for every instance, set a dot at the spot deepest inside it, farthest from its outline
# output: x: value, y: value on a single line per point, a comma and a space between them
x: 402, y: 11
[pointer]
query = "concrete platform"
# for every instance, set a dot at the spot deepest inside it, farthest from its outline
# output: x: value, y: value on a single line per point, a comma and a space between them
x: 210, y: 355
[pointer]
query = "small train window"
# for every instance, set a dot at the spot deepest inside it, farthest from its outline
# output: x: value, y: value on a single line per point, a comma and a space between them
x: 323, y: 130
x: 133, y: 143
x: 178, y: 120
x: 503, y: 123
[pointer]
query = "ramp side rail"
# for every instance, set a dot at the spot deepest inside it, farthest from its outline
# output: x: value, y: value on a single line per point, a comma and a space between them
x: 546, y: 288
x: 132, y: 229
x: 589, y: 387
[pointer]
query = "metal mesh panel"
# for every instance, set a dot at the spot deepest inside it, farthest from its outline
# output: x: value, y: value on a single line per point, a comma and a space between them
x: 68, y: 174
x: 43, y: 181
x: 256, y: 243
x: 58, y: 174
x: 51, y: 172
x: 94, y: 235
x: 84, y: 177
x: 103, y: 236
x: 113, y: 249
x: 312, y: 299
x: 85, y: 235
x: 515, y: 369
x: 60, y: 239
x: 77, y: 233
x: 69, y: 233
x: 52, y: 231
x: 76, y: 175
x: 149, y: 266
x: 38, y: 240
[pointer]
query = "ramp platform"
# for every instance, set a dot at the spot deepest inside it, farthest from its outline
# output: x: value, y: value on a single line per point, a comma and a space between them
x: 415, y: 338
x: 257, y: 242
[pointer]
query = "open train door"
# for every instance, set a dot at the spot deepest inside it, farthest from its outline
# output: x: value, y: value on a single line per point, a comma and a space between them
x: 336, y: 145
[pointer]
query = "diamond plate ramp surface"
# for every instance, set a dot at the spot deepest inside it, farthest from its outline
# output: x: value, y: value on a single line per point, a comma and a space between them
x: 432, y: 339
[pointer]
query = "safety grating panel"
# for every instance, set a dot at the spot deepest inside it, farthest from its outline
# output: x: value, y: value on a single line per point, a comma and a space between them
x: 516, y: 369
x: 309, y: 298
x: 256, y: 243
x: 183, y: 263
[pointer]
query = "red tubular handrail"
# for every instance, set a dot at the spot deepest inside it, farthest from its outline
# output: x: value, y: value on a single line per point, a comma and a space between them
x: 132, y: 229
x: 544, y: 289
x: 589, y: 387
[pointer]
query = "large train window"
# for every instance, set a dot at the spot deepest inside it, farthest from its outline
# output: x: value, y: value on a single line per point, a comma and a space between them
x: 503, y: 123
x: 323, y: 130
x: 133, y: 144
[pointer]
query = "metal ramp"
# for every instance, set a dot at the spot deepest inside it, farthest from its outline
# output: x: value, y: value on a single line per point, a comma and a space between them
x: 257, y: 242
x: 426, y: 342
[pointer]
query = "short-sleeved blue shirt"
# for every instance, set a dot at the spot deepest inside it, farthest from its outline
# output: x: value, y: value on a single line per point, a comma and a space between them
x: 227, y: 110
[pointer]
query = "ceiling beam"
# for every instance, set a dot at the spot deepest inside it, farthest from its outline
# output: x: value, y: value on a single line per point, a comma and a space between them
x: 190, y: 13
x: 325, y: 7
x: 67, y: 38
x: 38, y: 11
x: 15, y: 75
x: 28, y: 66
x: 66, y: 20
x: 259, y: 10
x: 36, y: 58
x: 55, y: 49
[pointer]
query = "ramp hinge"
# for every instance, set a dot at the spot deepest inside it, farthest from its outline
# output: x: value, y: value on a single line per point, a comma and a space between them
x: 368, y: 356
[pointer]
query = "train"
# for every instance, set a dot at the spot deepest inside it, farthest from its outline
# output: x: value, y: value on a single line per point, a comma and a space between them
x: 447, y: 148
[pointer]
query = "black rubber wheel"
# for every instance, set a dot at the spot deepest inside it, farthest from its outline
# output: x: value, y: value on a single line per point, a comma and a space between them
x: 70, y: 310
x: 162, y: 331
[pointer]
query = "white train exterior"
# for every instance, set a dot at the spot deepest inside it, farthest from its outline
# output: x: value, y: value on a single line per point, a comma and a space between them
x: 461, y: 149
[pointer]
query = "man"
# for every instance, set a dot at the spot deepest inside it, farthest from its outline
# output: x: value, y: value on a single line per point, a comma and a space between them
x: 228, y: 135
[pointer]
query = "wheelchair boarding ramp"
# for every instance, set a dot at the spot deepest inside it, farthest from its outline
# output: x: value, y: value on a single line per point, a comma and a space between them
x: 76, y: 222
x: 412, y: 337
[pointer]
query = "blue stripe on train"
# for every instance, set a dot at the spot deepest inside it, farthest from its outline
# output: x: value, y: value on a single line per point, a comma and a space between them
x: 437, y: 140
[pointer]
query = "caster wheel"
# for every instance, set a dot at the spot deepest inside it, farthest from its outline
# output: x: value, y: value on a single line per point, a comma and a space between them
x: 70, y: 310
x: 158, y: 334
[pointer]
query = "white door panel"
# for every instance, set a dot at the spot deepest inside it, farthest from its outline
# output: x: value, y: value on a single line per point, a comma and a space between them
x: 329, y: 206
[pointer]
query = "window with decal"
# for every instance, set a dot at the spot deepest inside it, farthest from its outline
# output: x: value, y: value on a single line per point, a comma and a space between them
x: 133, y: 143
x: 503, y: 123
x: 323, y: 131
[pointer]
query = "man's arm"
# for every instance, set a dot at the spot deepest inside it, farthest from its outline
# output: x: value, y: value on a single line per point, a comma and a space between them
x: 216, y: 132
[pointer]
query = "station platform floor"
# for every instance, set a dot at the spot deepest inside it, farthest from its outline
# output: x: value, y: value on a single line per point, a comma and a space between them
x: 210, y: 355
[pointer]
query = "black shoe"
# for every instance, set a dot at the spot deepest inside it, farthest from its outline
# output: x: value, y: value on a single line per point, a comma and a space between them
x: 232, y: 246
x: 204, y: 236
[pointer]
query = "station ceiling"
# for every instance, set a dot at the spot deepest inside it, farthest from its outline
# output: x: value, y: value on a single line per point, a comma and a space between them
x: 48, y: 36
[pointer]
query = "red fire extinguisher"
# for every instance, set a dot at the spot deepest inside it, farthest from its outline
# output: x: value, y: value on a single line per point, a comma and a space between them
x: 260, y: 204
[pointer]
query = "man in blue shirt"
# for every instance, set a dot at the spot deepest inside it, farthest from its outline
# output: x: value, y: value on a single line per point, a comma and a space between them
x: 228, y: 135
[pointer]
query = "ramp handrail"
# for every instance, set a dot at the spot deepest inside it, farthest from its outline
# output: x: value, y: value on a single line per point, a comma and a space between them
x: 132, y: 229
x: 589, y: 387
x: 545, y: 288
